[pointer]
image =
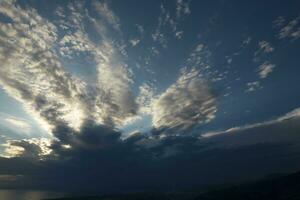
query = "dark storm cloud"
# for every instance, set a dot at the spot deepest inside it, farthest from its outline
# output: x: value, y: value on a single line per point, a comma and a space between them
x: 91, y: 136
x: 108, y: 164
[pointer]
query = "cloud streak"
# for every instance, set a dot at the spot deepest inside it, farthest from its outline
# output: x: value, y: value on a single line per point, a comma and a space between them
x: 185, y: 104
x: 20, y: 124
x: 288, y: 30
x: 295, y: 114
x: 33, y: 74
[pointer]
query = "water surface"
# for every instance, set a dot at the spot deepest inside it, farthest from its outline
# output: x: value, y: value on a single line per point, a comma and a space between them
x: 29, y: 195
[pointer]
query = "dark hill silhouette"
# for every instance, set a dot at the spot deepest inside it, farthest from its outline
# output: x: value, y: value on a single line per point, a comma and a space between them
x: 279, y: 188
x: 275, y: 187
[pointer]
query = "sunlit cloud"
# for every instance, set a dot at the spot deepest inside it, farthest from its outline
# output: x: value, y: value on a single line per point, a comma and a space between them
x: 265, y: 69
x: 186, y: 103
x: 53, y: 95
x: 33, y: 148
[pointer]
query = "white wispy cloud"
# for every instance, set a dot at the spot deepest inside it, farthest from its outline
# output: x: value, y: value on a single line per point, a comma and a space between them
x: 253, y: 86
x: 33, y: 74
x: 75, y: 39
x: 111, y: 103
x: 179, y: 35
x: 265, y: 69
x: 265, y: 46
x: 71, y: 44
x: 186, y: 103
x: 158, y: 35
x: 182, y: 8
x: 139, y: 36
x: 290, y: 115
x: 140, y: 29
x: 105, y: 11
x: 145, y: 98
x: 18, y: 123
x: 116, y: 101
x: 44, y: 91
x: 168, y: 23
x: 134, y: 42
x: 246, y: 41
x: 160, y: 38
x: 200, y: 59
x: 288, y: 29
x: 279, y: 21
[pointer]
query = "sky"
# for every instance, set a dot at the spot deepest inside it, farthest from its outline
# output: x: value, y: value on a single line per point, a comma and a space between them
x: 116, y: 96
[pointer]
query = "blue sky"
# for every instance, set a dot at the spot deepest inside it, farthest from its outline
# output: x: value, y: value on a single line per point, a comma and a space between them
x: 231, y: 34
x: 181, y: 68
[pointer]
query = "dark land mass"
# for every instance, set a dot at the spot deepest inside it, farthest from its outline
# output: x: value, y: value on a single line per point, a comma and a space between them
x: 277, y: 187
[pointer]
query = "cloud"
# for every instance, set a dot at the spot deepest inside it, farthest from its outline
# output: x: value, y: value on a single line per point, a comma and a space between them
x: 279, y: 21
x: 179, y: 35
x: 140, y: 29
x: 27, y: 148
x: 19, y: 124
x: 200, y: 58
x: 110, y: 17
x: 164, y: 20
x: 160, y: 37
x: 44, y: 91
x: 145, y: 98
x: 294, y: 114
x: 140, y: 161
x: 73, y: 43
x: 253, y: 86
x: 111, y: 104
x: 116, y: 101
x: 265, y: 69
x: 134, y: 42
x: 86, y: 151
x: 51, y: 94
x: 182, y: 8
x: 282, y: 131
x: 167, y: 23
x: 92, y: 136
x: 288, y: 30
x: 185, y: 104
x: 229, y: 60
x: 246, y: 41
x: 265, y: 47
